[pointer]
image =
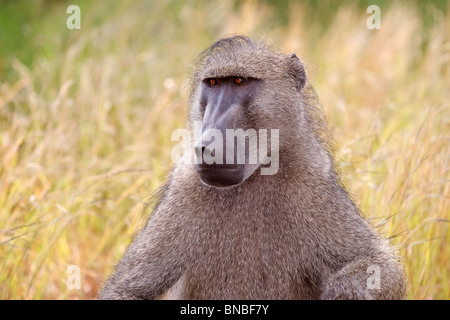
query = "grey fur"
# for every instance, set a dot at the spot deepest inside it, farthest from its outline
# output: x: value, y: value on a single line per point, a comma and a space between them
x: 292, y: 235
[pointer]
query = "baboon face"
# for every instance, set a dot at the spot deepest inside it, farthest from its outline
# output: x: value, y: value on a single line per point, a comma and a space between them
x: 223, y: 102
x: 243, y: 93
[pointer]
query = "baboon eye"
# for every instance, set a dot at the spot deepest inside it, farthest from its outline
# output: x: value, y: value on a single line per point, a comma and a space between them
x: 212, y: 82
x: 239, y: 80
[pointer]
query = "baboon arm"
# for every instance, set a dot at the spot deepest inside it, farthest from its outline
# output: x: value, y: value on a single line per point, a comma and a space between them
x: 373, y: 277
x: 152, y: 263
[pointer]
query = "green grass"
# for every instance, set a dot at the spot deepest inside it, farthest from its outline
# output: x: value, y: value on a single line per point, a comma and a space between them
x: 86, y: 117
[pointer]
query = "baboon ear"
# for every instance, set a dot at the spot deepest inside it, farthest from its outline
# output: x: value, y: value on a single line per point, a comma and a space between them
x: 297, y: 71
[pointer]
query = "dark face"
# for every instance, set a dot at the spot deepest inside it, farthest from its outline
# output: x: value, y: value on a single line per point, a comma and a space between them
x: 223, y: 100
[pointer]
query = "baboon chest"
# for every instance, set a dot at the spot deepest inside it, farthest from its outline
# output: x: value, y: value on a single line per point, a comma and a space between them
x: 248, y: 258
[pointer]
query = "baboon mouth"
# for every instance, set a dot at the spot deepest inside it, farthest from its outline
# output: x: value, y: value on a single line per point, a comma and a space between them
x: 203, y: 166
x: 221, y: 176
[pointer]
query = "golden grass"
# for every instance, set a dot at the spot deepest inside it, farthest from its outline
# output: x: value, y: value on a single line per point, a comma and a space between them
x: 85, y: 131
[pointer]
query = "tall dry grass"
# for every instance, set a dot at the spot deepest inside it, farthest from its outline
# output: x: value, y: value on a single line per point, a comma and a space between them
x: 85, y: 130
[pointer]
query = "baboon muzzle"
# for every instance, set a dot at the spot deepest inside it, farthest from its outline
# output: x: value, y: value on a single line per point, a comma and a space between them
x: 219, y: 163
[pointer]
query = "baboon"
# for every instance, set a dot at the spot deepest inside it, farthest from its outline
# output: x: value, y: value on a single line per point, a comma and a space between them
x: 227, y: 231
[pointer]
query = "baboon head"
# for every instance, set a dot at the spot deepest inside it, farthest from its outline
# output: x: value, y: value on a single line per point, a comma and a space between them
x: 248, y: 89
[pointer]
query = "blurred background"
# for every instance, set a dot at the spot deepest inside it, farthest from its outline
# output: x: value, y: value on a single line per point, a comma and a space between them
x: 86, y: 117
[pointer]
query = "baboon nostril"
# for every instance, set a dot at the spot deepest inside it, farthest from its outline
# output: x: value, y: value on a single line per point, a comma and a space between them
x: 208, y: 152
x: 200, y: 150
x: 204, y: 151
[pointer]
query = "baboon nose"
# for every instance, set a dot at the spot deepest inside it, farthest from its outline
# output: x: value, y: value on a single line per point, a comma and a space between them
x: 207, y: 152
x: 199, y: 150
